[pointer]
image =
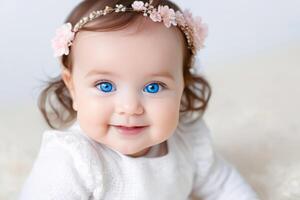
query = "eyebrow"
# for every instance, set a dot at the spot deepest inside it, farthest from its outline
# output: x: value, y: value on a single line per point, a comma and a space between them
x: 95, y: 72
x: 165, y: 74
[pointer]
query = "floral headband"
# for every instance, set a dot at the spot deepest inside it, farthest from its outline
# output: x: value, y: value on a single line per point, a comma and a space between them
x: 194, y: 30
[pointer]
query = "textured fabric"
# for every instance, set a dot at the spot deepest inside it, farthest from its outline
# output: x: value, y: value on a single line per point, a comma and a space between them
x: 70, y: 165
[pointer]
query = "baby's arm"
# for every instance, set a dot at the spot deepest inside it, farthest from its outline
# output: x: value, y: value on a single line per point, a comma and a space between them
x: 56, y: 176
x: 216, y: 179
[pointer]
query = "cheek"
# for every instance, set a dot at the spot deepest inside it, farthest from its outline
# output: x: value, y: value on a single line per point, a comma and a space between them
x: 164, y: 115
x: 94, y: 107
x: 94, y: 114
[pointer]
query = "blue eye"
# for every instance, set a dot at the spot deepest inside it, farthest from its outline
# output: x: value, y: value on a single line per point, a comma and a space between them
x: 153, y: 87
x: 104, y: 86
x: 107, y: 87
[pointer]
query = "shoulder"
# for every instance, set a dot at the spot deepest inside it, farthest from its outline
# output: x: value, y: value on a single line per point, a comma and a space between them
x: 195, y: 132
x: 197, y: 138
x: 71, y: 141
x: 76, y: 152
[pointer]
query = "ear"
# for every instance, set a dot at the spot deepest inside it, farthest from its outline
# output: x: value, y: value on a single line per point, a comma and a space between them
x: 68, y: 80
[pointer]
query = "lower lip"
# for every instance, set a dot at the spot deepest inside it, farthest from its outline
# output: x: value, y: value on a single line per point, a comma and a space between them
x: 130, y: 131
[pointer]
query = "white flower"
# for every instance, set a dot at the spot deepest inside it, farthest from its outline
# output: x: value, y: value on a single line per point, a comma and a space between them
x: 168, y: 15
x: 155, y: 16
x: 180, y: 18
x: 138, y: 6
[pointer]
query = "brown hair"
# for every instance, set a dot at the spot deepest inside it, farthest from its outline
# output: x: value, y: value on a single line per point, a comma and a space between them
x: 197, y: 90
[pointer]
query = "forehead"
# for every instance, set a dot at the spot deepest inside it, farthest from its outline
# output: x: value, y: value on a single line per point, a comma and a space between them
x: 143, y: 45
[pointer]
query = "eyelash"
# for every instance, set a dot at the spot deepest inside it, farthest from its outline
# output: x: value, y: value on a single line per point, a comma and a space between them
x: 163, y: 85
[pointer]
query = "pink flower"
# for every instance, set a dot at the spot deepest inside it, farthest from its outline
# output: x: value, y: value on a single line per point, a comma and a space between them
x: 62, y: 40
x: 168, y: 15
x: 200, y: 32
x: 188, y: 17
x: 199, y: 29
x: 180, y: 18
x: 138, y: 6
x: 155, y: 16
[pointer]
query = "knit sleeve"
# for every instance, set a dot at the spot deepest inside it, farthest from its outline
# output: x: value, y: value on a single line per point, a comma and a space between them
x: 215, y: 178
x: 66, y: 168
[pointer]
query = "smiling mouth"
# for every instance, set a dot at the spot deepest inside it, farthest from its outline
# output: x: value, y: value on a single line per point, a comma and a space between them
x: 133, y: 130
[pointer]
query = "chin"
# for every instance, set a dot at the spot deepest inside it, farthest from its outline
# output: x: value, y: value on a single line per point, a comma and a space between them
x: 130, y: 152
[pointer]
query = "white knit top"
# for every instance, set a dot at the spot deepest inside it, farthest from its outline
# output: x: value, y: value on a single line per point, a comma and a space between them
x: 72, y: 166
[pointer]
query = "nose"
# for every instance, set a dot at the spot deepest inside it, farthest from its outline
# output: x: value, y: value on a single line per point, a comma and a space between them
x: 129, y: 104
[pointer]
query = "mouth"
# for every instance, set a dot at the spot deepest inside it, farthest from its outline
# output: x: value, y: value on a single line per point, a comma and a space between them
x: 132, y: 130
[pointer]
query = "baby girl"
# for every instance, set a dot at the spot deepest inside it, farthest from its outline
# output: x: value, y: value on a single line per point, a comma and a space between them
x: 126, y: 112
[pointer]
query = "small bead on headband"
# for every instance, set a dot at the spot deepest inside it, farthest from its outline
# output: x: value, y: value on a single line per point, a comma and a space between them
x: 194, y: 30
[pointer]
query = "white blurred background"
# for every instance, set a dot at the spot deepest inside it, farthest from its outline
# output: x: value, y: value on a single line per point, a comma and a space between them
x: 252, y: 60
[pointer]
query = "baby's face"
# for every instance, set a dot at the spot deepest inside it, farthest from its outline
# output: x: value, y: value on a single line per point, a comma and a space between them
x: 128, y: 78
